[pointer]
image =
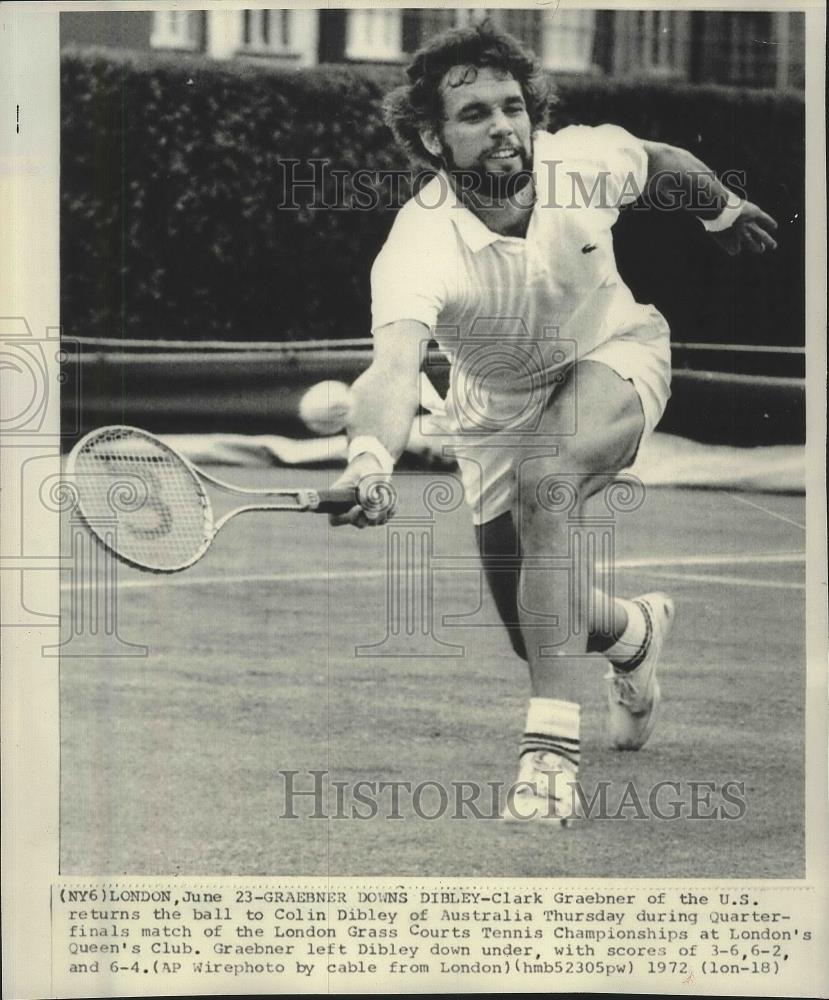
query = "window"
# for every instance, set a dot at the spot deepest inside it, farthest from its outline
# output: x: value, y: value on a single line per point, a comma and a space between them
x: 567, y: 40
x: 420, y: 24
x: 175, y: 29
x: 753, y: 50
x: 374, y: 34
x: 652, y: 43
x: 661, y: 42
x: 655, y: 41
x: 525, y: 25
x: 791, y: 34
x: 749, y: 49
x: 267, y: 32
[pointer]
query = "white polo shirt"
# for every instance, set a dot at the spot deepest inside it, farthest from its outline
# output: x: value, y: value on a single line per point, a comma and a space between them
x: 511, y: 313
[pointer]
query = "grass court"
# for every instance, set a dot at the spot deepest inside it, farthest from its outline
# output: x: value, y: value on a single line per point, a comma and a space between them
x: 170, y: 762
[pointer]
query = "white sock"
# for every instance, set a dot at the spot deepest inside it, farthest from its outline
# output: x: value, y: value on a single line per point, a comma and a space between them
x: 629, y: 650
x: 552, y: 727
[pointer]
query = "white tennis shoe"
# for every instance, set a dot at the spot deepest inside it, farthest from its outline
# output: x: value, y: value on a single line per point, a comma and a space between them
x: 633, y: 696
x: 546, y: 791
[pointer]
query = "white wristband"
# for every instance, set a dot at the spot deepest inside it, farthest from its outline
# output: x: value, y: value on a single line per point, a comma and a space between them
x: 727, y: 217
x: 366, y: 444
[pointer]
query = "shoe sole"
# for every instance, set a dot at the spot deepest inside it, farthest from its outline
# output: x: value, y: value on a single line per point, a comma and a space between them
x: 558, y: 822
x: 541, y: 817
x: 630, y: 748
x: 555, y: 821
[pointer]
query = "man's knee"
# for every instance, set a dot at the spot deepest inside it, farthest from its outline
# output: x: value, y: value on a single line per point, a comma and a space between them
x: 553, y: 487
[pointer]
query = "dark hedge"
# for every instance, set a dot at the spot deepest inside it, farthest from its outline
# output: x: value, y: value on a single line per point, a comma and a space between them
x: 171, y: 186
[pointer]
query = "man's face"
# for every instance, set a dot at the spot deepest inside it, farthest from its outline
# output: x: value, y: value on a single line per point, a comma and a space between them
x: 486, y: 129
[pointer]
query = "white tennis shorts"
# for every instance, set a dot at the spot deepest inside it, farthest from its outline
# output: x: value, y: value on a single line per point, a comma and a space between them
x: 641, y: 354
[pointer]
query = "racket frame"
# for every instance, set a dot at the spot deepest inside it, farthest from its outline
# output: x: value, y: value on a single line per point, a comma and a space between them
x: 297, y: 500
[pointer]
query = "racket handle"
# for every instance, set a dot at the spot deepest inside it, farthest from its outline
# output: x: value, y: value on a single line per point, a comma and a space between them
x: 336, y: 501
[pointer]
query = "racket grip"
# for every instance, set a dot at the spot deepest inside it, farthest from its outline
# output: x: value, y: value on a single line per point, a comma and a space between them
x: 336, y: 501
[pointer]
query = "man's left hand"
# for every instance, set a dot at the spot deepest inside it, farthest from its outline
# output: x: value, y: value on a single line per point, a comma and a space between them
x: 752, y: 230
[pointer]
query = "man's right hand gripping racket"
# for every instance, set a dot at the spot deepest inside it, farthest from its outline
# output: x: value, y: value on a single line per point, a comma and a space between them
x: 162, y: 513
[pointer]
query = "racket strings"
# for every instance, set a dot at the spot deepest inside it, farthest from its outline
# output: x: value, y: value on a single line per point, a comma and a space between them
x: 162, y: 516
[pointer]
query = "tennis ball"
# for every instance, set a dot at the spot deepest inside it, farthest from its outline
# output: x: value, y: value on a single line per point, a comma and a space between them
x: 325, y: 407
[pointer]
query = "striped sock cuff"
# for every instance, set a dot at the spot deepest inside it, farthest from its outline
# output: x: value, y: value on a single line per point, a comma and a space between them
x: 561, y: 746
x: 632, y: 647
x: 552, y: 727
x: 641, y: 653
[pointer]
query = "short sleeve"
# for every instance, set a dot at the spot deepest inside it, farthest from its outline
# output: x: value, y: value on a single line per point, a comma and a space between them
x: 408, y: 279
x: 626, y: 161
x: 611, y: 163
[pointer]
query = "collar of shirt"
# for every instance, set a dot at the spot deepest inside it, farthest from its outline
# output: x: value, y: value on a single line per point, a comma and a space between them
x: 475, y: 233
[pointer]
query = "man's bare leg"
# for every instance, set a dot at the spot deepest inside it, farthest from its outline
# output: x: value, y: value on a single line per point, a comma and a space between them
x: 609, y: 423
x: 500, y: 551
x: 553, y: 482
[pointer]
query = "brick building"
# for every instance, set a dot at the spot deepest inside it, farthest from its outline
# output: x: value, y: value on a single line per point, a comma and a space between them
x: 749, y: 49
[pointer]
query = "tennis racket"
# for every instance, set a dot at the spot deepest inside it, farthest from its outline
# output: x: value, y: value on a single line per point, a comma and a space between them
x: 128, y: 480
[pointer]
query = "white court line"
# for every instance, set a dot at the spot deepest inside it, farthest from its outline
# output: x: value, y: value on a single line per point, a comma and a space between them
x: 162, y: 580
x: 731, y: 581
x: 765, y: 510
x: 731, y: 559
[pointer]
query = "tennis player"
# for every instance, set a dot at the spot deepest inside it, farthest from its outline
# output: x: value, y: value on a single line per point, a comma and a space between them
x: 506, y: 258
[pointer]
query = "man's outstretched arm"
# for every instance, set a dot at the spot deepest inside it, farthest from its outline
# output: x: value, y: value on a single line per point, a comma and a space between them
x: 385, y: 401
x: 677, y: 178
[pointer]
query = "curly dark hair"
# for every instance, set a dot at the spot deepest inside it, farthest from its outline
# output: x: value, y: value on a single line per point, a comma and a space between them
x: 419, y: 104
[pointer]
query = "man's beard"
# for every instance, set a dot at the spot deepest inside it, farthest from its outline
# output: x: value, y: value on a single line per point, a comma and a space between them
x: 487, y: 188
